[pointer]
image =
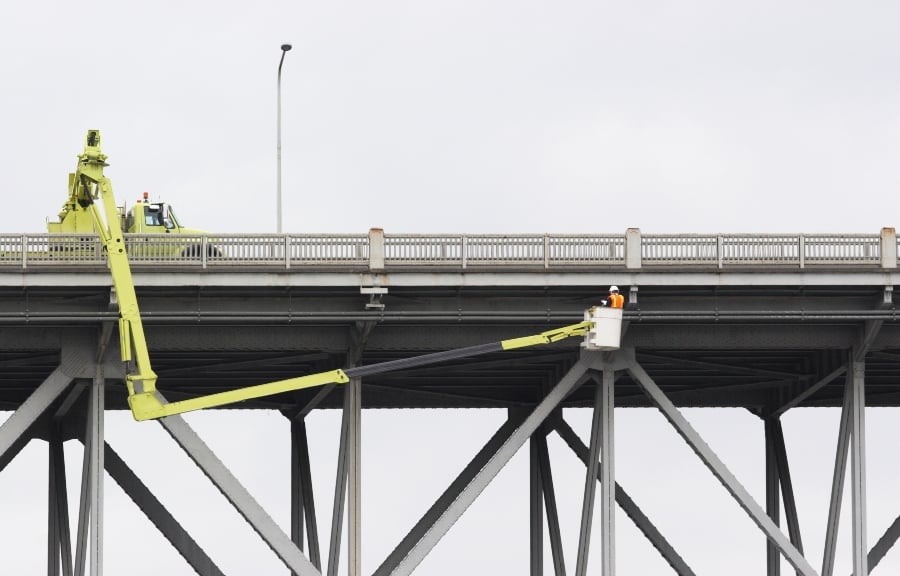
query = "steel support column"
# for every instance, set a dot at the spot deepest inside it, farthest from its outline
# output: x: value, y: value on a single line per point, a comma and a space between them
x: 536, y: 507
x: 450, y: 495
x: 84, y: 503
x: 787, y: 487
x: 157, y: 513
x: 590, y: 485
x: 244, y: 503
x: 59, y: 535
x: 718, y: 468
x: 303, y: 505
x: 484, y: 476
x: 837, y: 481
x: 298, y: 500
x: 607, y: 471
x: 628, y: 506
x: 97, y: 409
x: 858, y: 467
x: 354, y: 489
x: 885, y: 543
x: 556, y: 548
x: 340, y: 489
x: 52, y: 517
x: 773, y: 499
x: 13, y: 432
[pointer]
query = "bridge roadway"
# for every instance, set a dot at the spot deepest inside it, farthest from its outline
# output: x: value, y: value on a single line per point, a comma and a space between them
x: 752, y: 334
x: 760, y: 328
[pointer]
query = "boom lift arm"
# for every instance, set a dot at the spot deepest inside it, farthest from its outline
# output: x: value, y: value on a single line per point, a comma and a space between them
x: 88, y: 185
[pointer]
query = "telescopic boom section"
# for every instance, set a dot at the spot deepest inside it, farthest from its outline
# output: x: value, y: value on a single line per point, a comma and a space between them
x: 88, y: 186
x: 147, y: 406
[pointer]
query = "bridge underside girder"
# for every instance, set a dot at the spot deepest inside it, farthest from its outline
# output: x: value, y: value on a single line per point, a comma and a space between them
x: 765, y: 351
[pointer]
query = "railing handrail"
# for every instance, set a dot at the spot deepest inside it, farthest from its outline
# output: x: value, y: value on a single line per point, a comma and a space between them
x: 384, y: 251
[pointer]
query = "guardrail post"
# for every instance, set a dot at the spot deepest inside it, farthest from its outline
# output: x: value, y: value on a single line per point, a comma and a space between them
x: 546, y: 251
x: 24, y: 251
x: 203, y: 245
x: 286, y: 246
x: 465, y: 251
x: 802, y: 249
x: 888, y: 248
x: 633, y: 248
x: 719, y: 251
x: 376, y: 249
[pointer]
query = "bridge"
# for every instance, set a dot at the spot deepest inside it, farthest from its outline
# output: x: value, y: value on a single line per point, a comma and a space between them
x: 768, y: 323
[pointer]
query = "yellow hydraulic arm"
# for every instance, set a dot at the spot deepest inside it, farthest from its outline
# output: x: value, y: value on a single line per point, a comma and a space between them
x: 90, y: 185
x: 147, y: 406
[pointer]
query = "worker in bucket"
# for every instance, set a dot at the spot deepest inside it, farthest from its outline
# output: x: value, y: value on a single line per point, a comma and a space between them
x: 614, y: 300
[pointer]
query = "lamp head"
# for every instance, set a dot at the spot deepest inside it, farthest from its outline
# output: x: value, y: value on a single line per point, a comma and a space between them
x: 286, y: 47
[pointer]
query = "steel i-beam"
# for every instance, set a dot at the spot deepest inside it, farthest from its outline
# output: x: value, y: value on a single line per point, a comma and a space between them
x: 536, y: 508
x: 641, y: 521
x: 340, y: 489
x: 720, y: 471
x: 837, y: 481
x: 773, y: 504
x: 157, y: 513
x: 607, y: 472
x: 479, y: 482
x: 450, y: 495
x: 556, y: 548
x: 98, y: 407
x: 858, y: 467
x: 231, y: 488
x: 568, y: 383
x: 303, y: 506
x: 354, y: 489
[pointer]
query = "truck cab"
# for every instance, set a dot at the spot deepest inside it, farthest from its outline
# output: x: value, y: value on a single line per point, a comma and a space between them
x: 147, y: 217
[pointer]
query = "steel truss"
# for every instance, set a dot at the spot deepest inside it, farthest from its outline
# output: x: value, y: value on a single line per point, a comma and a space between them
x: 79, y: 381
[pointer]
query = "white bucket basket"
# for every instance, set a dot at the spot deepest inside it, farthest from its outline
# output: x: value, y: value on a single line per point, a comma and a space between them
x: 606, y: 334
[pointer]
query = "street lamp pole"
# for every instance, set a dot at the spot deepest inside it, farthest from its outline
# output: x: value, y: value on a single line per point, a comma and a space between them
x: 284, y: 50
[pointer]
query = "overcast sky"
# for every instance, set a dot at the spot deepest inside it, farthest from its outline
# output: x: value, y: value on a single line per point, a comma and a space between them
x: 465, y: 116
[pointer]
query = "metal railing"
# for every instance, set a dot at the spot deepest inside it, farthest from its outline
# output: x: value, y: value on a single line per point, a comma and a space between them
x: 460, y: 251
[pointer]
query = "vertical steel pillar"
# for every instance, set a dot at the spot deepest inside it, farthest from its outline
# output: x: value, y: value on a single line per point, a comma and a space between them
x: 590, y: 484
x: 97, y: 402
x: 52, y: 513
x: 837, y: 481
x: 59, y: 537
x: 479, y: 482
x: 303, y: 505
x: 156, y: 513
x: 607, y: 472
x: 773, y: 502
x: 84, y: 504
x: 298, y: 498
x: 721, y: 472
x: 354, y: 512
x: 536, y: 507
x: 641, y: 521
x: 340, y: 485
x: 450, y: 495
x: 787, y: 487
x: 556, y: 549
x: 237, y: 495
x: 858, y: 467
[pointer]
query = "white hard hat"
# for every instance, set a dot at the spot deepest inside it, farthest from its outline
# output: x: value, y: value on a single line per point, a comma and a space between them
x: 613, y: 288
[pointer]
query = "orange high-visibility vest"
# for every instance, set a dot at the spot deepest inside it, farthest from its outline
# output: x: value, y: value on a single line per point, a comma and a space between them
x: 616, y: 301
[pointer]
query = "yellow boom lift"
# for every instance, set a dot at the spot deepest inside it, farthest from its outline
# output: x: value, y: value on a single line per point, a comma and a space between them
x: 89, y: 186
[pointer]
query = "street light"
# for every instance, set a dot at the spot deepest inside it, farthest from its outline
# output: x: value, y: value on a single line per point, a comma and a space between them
x: 284, y: 50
